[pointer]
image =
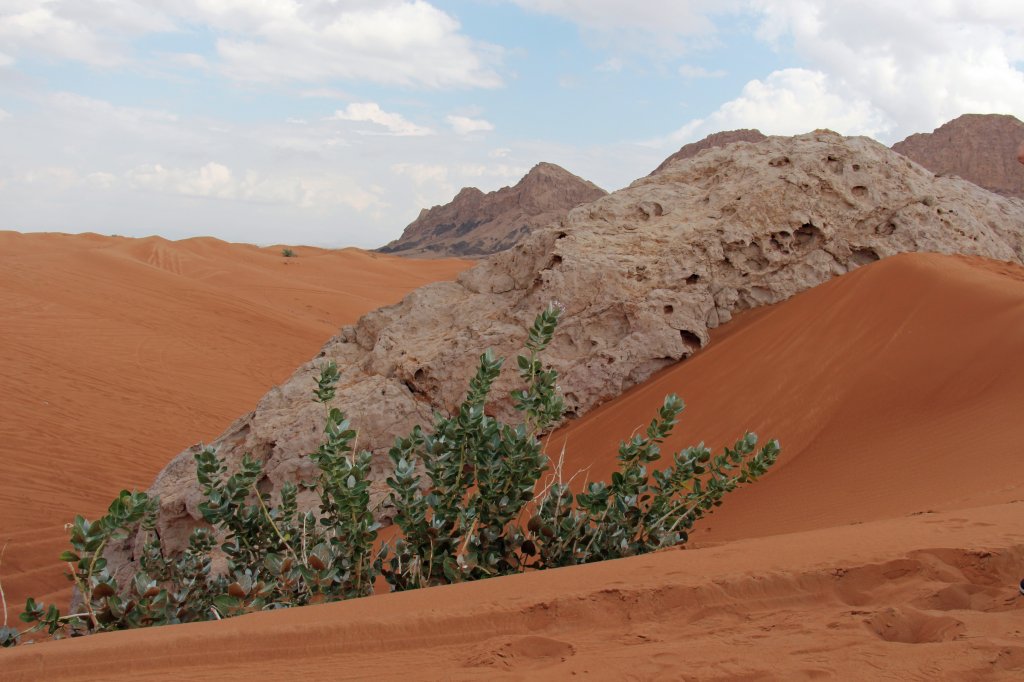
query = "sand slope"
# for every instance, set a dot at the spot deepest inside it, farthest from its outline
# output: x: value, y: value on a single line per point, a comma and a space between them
x: 895, y: 389
x: 887, y: 543
x: 929, y: 597
x: 116, y: 353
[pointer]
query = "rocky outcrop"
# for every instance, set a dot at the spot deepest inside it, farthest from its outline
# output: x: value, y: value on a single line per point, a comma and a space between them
x: 643, y: 275
x: 477, y: 224
x: 981, y: 148
x: 713, y: 140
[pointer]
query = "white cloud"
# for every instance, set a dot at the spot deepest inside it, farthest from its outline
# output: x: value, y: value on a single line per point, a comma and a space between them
x: 54, y: 177
x: 690, y: 71
x: 4, y: 114
x: 75, y: 163
x: 403, y: 42
x: 918, y: 67
x: 499, y: 153
x: 789, y: 102
x: 610, y: 65
x: 422, y: 173
x: 217, y: 181
x: 102, y: 180
x: 438, y: 183
x: 210, y: 180
x: 370, y: 112
x: 407, y: 42
x: 91, y: 108
x: 90, y: 31
x: 501, y: 171
x: 463, y: 125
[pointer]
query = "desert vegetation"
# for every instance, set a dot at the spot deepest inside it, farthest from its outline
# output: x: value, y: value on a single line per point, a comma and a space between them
x: 471, y: 497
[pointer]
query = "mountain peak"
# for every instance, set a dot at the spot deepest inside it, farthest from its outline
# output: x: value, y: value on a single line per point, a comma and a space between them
x: 478, y: 224
x: 981, y: 148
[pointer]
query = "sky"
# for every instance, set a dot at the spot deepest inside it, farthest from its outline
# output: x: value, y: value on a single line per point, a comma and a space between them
x: 333, y: 122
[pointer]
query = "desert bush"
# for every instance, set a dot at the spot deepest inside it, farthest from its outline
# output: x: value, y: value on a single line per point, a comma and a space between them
x: 288, y: 253
x: 469, y: 498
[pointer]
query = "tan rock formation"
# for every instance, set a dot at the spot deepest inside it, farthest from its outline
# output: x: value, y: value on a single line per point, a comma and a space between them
x: 981, y: 148
x: 713, y: 140
x: 478, y: 224
x: 643, y: 274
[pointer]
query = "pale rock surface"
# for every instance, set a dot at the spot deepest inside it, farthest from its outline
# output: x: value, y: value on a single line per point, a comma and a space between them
x: 981, y: 148
x: 719, y: 139
x: 475, y: 224
x: 642, y: 273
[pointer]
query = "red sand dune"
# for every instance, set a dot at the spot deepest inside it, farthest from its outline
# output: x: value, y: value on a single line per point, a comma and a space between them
x: 896, y: 389
x: 117, y: 353
x: 887, y: 542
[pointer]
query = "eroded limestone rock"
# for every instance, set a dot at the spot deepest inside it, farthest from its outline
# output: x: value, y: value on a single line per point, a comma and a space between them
x: 643, y: 274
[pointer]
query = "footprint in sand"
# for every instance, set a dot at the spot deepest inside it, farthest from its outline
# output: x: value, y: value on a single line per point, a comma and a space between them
x: 910, y: 626
x: 531, y: 651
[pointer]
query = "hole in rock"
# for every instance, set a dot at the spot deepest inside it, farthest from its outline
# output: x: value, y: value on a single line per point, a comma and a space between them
x: 860, y: 191
x: 864, y: 256
x: 808, y: 233
x: 693, y: 279
x: 689, y: 339
x: 649, y: 209
x: 669, y: 310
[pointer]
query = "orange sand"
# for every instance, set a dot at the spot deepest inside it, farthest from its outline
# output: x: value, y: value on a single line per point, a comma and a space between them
x: 896, y: 389
x: 923, y: 598
x: 117, y: 353
x: 886, y: 543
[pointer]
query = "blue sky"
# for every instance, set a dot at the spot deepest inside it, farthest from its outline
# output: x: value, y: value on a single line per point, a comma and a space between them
x: 332, y: 122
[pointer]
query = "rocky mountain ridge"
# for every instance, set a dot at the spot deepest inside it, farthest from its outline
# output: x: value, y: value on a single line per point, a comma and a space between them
x: 981, y: 148
x: 643, y: 275
x: 475, y: 224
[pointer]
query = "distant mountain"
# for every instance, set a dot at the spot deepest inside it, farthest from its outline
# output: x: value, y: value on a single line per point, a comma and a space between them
x: 714, y: 140
x: 981, y: 148
x: 478, y: 224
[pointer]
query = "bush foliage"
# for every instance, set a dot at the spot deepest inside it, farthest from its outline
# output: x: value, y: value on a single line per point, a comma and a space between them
x: 468, y: 502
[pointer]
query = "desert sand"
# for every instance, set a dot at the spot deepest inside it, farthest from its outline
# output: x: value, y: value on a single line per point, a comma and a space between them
x: 894, y: 390
x: 116, y: 353
x: 886, y: 543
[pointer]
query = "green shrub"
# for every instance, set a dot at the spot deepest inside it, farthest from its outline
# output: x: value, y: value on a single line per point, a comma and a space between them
x: 467, y: 498
x: 288, y: 253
